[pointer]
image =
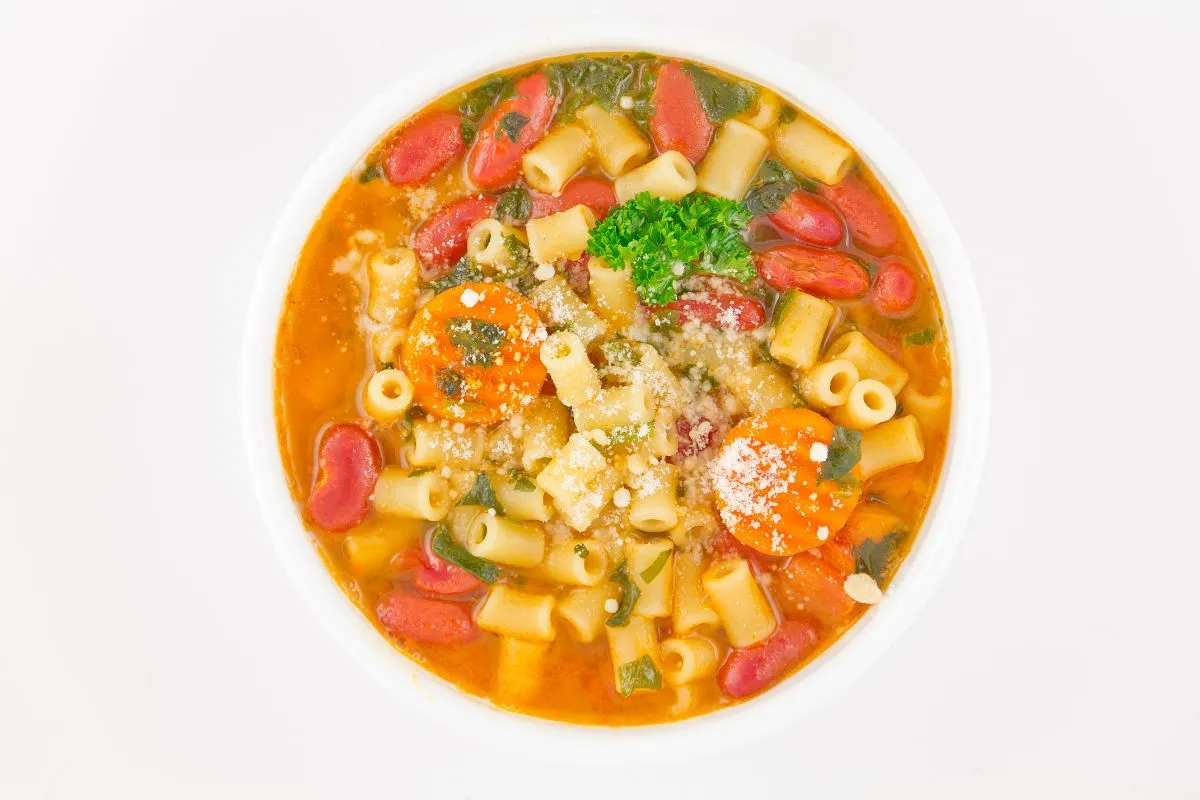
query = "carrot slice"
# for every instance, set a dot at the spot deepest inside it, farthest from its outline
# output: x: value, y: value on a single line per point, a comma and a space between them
x: 768, y: 489
x: 472, y: 354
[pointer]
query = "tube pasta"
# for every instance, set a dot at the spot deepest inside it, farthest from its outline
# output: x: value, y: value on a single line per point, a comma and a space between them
x: 568, y: 474
x: 695, y: 524
x: 892, y: 444
x: 561, y: 235
x: 619, y: 145
x: 869, y: 359
x: 506, y: 541
x: 828, y: 384
x: 424, y: 496
x: 929, y: 409
x: 670, y: 176
x: 485, y: 241
x: 688, y: 660
x: 807, y: 147
x: 731, y: 162
x: 581, y: 511
x: 576, y: 562
x: 654, y: 508
x: 389, y: 394
x: 761, y: 388
x: 386, y: 343
x: 869, y: 403
x: 664, y: 438
x: 615, y: 407
x: 692, y: 610
x: 613, y: 295
x: 565, y: 358
x: 652, y: 370
x: 459, y: 521
x: 800, y: 329
x: 435, y: 446
x: 519, y: 670
x: 745, y: 614
x: 583, y: 610
x: 562, y: 310
x: 630, y: 642
x: 556, y: 158
x: 655, y: 599
x: 765, y: 110
x: 512, y: 612
x: 527, y: 503
x: 393, y: 276
x: 547, y: 426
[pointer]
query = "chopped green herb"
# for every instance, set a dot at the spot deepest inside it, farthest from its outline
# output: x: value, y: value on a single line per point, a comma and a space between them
x: 764, y: 352
x: 921, y: 338
x: 624, y: 435
x: 482, y: 494
x: 844, y: 452
x: 585, y: 80
x: 720, y: 98
x: 469, y: 129
x: 873, y: 556
x: 478, y: 339
x: 514, y: 206
x: 656, y: 566
x: 450, y: 383
x: 629, y: 596
x: 511, y: 125
x: 788, y: 114
x: 619, y: 353
x: 640, y: 674
x: 465, y: 271
x: 874, y: 498
x: 387, y: 365
x: 768, y: 197
x: 773, y: 171
x: 518, y: 271
x: 698, y: 375
x: 445, y: 547
x: 781, y: 306
x: 479, y: 100
x: 522, y: 481
x: 581, y: 550
x: 369, y: 174
x: 664, y: 320
x: 419, y: 471
x: 663, y: 241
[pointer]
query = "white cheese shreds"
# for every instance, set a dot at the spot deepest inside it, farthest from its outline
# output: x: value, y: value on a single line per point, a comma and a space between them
x: 861, y: 588
x: 621, y: 498
x: 818, y: 452
x: 544, y: 272
x: 469, y: 298
x: 751, y: 481
x: 822, y: 533
x: 626, y: 102
x: 611, y: 605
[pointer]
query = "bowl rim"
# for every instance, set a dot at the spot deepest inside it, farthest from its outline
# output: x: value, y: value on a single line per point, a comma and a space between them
x: 839, y: 665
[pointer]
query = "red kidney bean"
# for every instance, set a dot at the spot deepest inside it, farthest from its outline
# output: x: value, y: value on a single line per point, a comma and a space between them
x: 423, y: 148
x: 348, y: 464
x: 595, y: 193
x: 734, y: 311
x: 752, y: 669
x: 424, y: 620
x: 679, y: 122
x: 578, y: 276
x: 895, y: 290
x: 824, y: 273
x: 442, y: 577
x: 695, y: 436
x: 808, y: 218
x: 442, y: 240
x: 871, y: 226
x: 495, y: 161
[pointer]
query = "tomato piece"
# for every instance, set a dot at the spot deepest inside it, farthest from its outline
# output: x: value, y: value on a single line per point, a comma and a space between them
x: 348, y: 464
x: 495, y: 160
x: 442, y: 577
x: 870, y: 521
x: 823, y: 273
x: 839, y: 554
x: 729, y: 311
x: 812, y: 585
x: 424, y: 620
x: 895, y: 291
x: 595, y: 193
x: 442, y: 240
x: 752, y: 669
x: 423, y: 147
x: 808, y: 218
x: 695, y: 436
x: 679, y: 122
x: 867, y: 217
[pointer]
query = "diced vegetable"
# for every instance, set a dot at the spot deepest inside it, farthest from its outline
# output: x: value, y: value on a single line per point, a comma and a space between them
x: 746, y: 672
x: 348, y: 465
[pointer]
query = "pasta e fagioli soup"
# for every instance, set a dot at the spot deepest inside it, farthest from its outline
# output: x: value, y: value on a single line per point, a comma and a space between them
x: 612, y: 388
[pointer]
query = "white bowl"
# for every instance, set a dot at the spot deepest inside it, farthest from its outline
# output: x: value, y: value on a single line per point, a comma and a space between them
x: 838, y: 666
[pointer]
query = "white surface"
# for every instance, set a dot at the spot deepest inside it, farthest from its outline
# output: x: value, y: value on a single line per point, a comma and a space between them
x: 153, y: 648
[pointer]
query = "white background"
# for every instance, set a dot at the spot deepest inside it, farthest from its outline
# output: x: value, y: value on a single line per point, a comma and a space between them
x: 150, y: 646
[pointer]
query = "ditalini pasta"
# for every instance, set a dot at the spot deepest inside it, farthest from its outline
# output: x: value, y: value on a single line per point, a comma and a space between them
x: 612, y: 388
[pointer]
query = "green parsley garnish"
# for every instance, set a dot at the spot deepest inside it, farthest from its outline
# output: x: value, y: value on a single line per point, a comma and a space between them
x: 629, y: 596
x: 447, y: 548
x: 844, y: 452
x: 581, y: 550
x: 640, y: 674
x: 873, y: 556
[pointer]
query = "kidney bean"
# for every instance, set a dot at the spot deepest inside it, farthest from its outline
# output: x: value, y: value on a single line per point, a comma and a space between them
x: 679, y: 122
x: 578, y: 276
x: 695, y: 436
x: 495, y: 161
x: 423, y: 148
x: 734, y: 311
x: 895, y: 291
x: 441, y: 577
x: 424, y: 620
x: 442, y: 240
x: 824, y: 273
x: 348, y: 464
x: 752, y: 669
x: 808, y: 218
x: 595, y: 193
x: 871, y: 226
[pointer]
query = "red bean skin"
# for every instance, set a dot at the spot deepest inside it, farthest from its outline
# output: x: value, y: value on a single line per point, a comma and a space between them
x: 441, y: 577
x: 424, y: 620
x: 824, y: 273
x: 733, y: 311
x: 871, y: 226
x: 895, y: 291
x: 423, y: 148
x: 809, y: 219
x: 595, y: 193
x: 495, y: 161
x: 442, y: 240
x: 679, y: 122
x: 695, y: 436
x: 348, y: 464
x: 749, y: 671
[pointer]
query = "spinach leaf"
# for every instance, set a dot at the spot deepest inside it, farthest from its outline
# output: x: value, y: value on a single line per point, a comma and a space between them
x: 447, y: 548
x: 451, y: 384
x: 369, y: 174
x: 479, y: 101
x: 581, y: 550
x: 640, y: 674
x: 921, y: 338
x: 844, y: 452
x: 788, y: 114
x: 656, y: 566
x: 629, y: 596
x: 720, y: 99
x: 619, y: 353
x: 522, y: 480
x: 768, y: 197
x: 465, y: 271
x: 519, y: 269
x: 511, y: 125
x: 514, y: 206
x: 482, y: 494
x: 478, y: 339
x: 419, y: 471
x: 585, y: 80
x: 873, y: 556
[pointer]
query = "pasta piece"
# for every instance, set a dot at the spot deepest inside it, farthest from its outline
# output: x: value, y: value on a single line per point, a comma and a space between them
x: 506, y: 541
x: 555, y: 159
x: 581, y: 511
x: 731, y: 162
x: 616, y: 407
x: 761, y: 388
x: 892, y: 444
x: 583, y: 610
x: 687, y: 660
x: 523, y: 499
x: 502, y: 446
x: 869, y: 359
x: 652, y: 370
x: 869, y: 403
x: 619, y: 145
x: 828, y: 384
x: 629, y: 643
x: 800, y: 329
x: 576, y: 562
x: 565, y: 358
x: 545, y: 432
x: 435, y: 446
x: 460, y: 519
x: 393, y: 276
x: 670, y: 176
x: 745, y: 614
x: 654, y: 508
x: 512, y: 612
x: 685, y: 700
x: 695, y: 525
x: 664, y: 438
x: 567, y: 475
x: 654, y: 558
x: 425, y: 496
x: 461, y: 481
x: 519, y: 672
x: 692, y: 610
x: 807, y: 147
x: 562, y: 310
x: 386, y: 343
x: 370, y: 547
x: 929, y: 409
x: 389, y: 394
x: 485, y: 241
x: 561, y: 235
x: 613, y: 295
x: 765, y: 110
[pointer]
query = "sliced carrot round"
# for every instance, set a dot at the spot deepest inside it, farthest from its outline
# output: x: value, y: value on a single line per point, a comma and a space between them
x: 768, y: 487
x: 472, y: 354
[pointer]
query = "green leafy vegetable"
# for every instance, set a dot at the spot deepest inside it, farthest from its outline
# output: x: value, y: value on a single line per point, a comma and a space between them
x: 369, y: 174
x: 788, y: 114
x: 518, y: 270
x: 625, y: 435
x: 767, y: 198
x: 720, y: 99
x: 387, y: 365
x: 663, y: 241
x: 450, y: 383
x: 511, y: 125
x: 514, y: 206
x: 581, y: 550
x: 619, y: 353
x: 445, y: 547
x: 698, y: 375
x: 844, y: 452
x: 477, y: 102
x: 478, y: 339
x: 921, y: 338
x: 773, y: 171
x: 656, y: 566
x: 781, y: 306
x: 629, y: 595
x: 465, y: 271
x: 873, y: 556
x: 419, y: 471
x: 664, y: 320
x: 469, y: 129
x: 585, y: 80
x: 482, y: 494
x: 522, y: 481
x: 640, y: 674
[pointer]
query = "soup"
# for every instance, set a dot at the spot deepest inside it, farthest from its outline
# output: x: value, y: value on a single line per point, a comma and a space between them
x: 612, y: 388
